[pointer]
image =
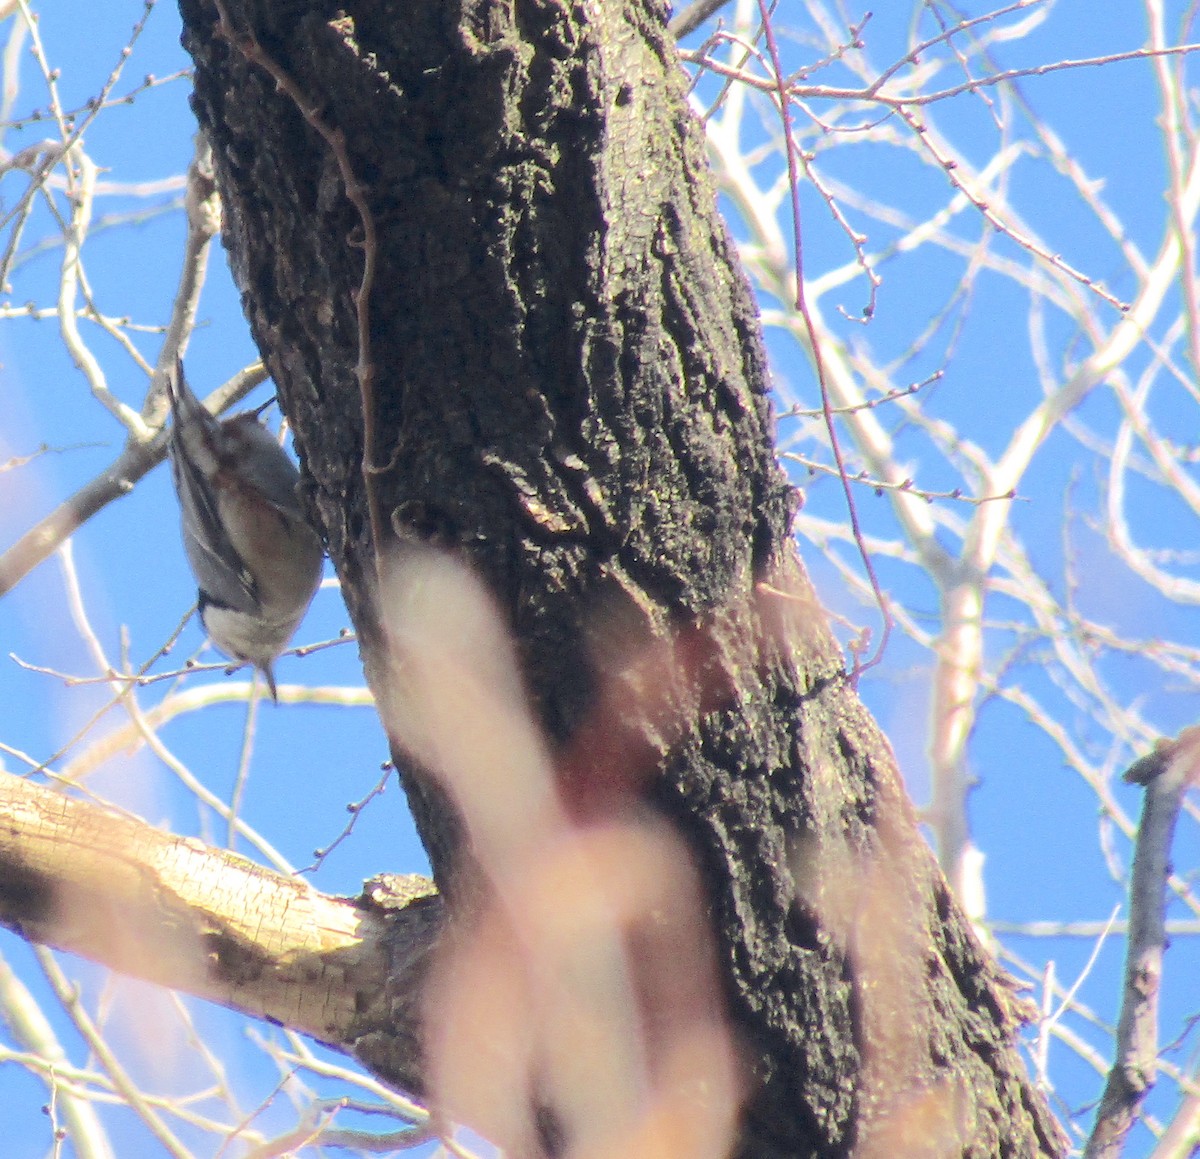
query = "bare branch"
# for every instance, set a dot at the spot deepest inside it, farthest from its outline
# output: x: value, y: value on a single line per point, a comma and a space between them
x: 145, y: 446
x: 206, y: 921
x: 686, y: 22
x: 115, y: 482
x: 1165, y: 774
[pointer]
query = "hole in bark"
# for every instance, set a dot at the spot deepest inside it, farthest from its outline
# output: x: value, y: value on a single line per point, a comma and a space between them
x: 800, y: 925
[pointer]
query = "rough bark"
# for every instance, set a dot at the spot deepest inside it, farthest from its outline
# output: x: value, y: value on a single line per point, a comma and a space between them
x: 567, y: 388
x: 171, y: 910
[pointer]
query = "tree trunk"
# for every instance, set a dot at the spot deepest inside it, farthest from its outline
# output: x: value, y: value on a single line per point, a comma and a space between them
x: 525, y: 339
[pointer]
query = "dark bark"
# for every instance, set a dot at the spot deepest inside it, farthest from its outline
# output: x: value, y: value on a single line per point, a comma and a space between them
x: 570, y: 393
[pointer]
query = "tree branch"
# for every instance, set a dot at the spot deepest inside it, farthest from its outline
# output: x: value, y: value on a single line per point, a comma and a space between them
x: 146, y: 444
x: 1166, y: 774
x: 171, y: 910
x: 114, y: 482
x: 686, y: 22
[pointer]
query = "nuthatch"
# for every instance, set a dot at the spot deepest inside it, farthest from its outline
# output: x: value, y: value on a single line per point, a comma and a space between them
x: 255, y: 557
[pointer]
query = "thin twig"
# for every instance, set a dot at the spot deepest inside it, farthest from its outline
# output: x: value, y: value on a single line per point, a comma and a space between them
x: 356, y: 193
x: 1165, y: 774
x: 249, y: 732
x: 907, y: 484
x: 116, y: 481
x: 84, y: 171
x: 28, y: 1025
x: 793, y: 164
x: 355, y: 809
x: 145, y: 445
x: 71, y: 1002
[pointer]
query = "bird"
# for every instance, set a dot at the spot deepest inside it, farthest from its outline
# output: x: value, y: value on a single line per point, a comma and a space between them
x: 256, y: 558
